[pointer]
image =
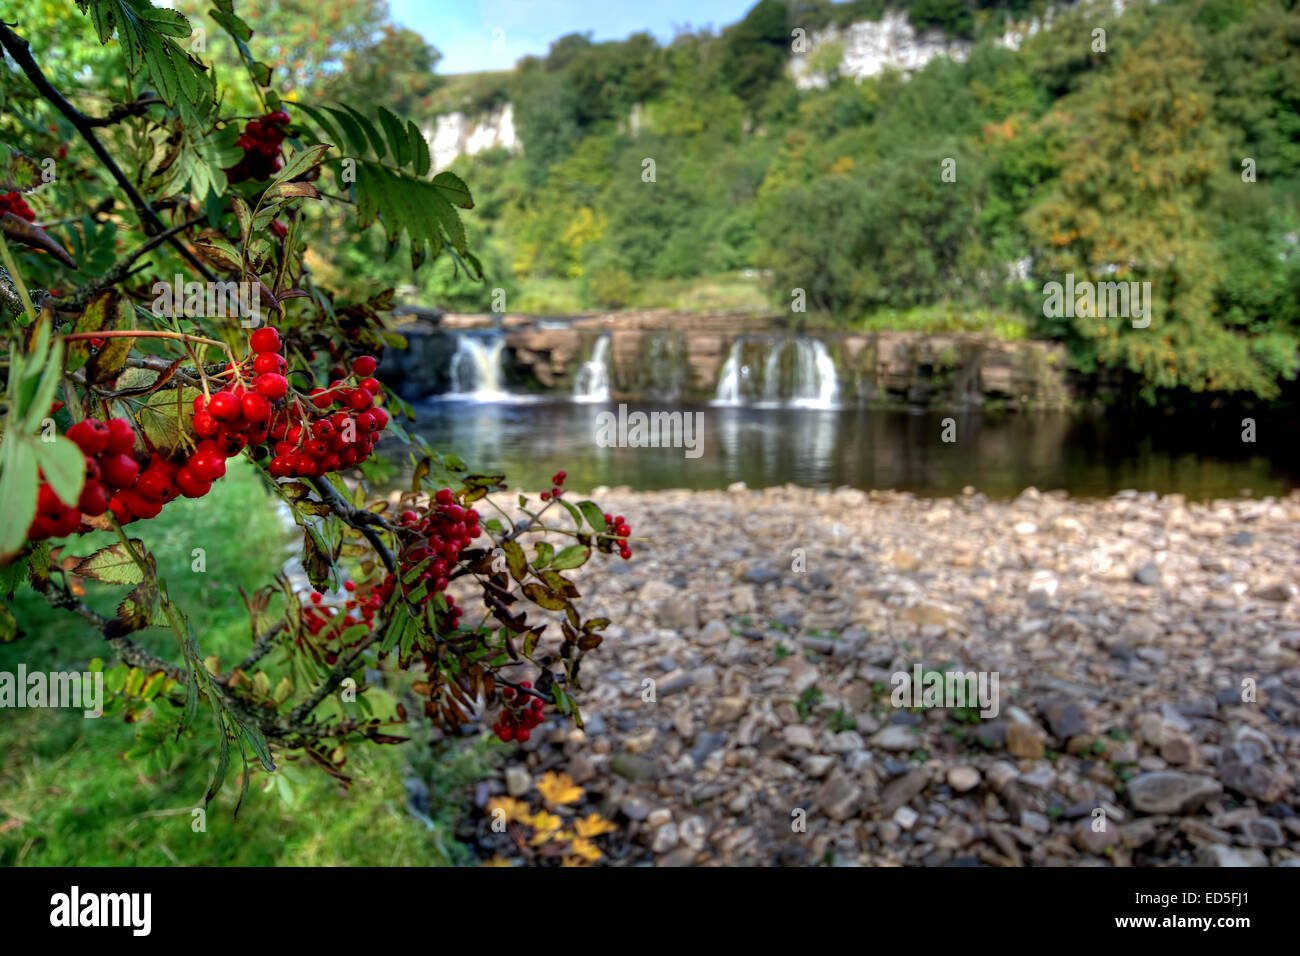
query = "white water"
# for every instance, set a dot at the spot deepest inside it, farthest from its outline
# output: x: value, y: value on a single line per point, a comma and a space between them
x: 811, y: 382
x: 476, y: 369
x: 731, y: 378
x: 592, y: 381
x: 815, y: 382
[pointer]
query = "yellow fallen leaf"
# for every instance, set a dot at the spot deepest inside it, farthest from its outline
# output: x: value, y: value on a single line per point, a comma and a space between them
x: 559, y: 788
x: 594, y: 825
x: 497, y: 860
x: 546, y: 825
x: 513, y: 809
x: 586, y: 849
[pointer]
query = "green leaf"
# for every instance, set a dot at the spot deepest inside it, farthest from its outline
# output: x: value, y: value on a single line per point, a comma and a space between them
x: 574, y: 556
x: 545, y: 551
x: 112, y: 565
x: 64, y: 466
x: 544, y: 597
x: 594, y: 514
x: 255, y: 739
x: 420, y: 161
x: 301, y: 161
x: 18, y: 484
x: 515, y: 560
x: 454, y: 188
x: 372, y: 134
x: 573, y: 512
x: 395, y: 135
x: 9, y: 631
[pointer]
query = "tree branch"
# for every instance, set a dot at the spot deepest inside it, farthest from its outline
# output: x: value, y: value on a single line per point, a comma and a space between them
x: 119, y: 270
x: 20, y: 50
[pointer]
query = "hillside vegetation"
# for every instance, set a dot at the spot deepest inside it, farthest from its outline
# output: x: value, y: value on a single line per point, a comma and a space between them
x: 1131, y: 164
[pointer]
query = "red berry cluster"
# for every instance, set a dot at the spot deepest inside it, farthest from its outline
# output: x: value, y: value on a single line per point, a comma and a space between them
x: 16, y: 204
x: 521, y: 713
x: 620, y: 529
x: 260, y: 142
x: 434, y: 541
x: 328, y: 624
x: 557, y: 479
x: 305, y: 444
x: 110, y: 468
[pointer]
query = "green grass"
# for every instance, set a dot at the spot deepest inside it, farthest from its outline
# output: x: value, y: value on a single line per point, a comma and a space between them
x: 731, y: 291
x: 69, y: 796
x: 936, y: 319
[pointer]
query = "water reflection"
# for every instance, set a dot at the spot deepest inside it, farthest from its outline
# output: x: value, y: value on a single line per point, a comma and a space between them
x: 866, y: 449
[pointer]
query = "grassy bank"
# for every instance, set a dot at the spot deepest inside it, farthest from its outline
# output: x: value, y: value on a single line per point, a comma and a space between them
x: 69, y: 796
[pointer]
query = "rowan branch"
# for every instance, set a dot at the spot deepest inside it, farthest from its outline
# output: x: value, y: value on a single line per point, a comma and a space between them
x: 20, y: 50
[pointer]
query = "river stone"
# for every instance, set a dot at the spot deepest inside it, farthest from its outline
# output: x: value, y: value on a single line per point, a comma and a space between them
x: 1065, y: 718
x: 1148, y: 574
x: 1220, y: 855
x: 902, y: 790
x: 715, y: 632
x: 839, y: 798
x: 1091, y: 841
x: 895, y: 737
x: 632, y: 767
x: 760, y: 576
x: 1023, y: 740
x: 517, y: 781
x: 963, y: 779
x: 1282, y: 591
x: 1169, y: 791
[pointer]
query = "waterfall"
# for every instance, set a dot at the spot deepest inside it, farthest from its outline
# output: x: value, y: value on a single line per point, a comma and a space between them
x: 815, y: 382
x: 475, y: 369
x: 797, y: 373
x: 772, y: 375
x: 592, y: 381
x: 734, y: 373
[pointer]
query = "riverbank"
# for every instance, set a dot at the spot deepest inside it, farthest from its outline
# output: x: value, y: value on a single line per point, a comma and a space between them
x: 1124, y: 633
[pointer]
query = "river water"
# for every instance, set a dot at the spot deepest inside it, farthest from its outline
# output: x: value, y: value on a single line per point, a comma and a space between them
x: 1000, y: 455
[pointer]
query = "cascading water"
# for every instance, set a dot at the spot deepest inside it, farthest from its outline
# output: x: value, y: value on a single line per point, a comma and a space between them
x: 732, y: 378
x: 815, y: 381
x: 475, y: 370
x: 797, y: 373
x: 592, y: 381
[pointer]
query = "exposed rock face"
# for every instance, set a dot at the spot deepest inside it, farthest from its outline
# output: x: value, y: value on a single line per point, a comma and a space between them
x: 456, y: 134
x: 873, y: 46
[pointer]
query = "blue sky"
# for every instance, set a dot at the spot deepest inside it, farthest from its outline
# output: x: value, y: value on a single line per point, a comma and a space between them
x: 463, y: 30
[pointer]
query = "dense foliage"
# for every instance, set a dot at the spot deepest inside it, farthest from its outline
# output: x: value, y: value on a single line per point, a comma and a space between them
x: 162, y: 319
x: 1125, y: 164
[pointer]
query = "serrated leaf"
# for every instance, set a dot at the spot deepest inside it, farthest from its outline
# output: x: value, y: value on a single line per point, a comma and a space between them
x: 419, y: 150
x: 112, y: 565
x: 395, y: 135
x: 454, y: 189
x: 302, y: 161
